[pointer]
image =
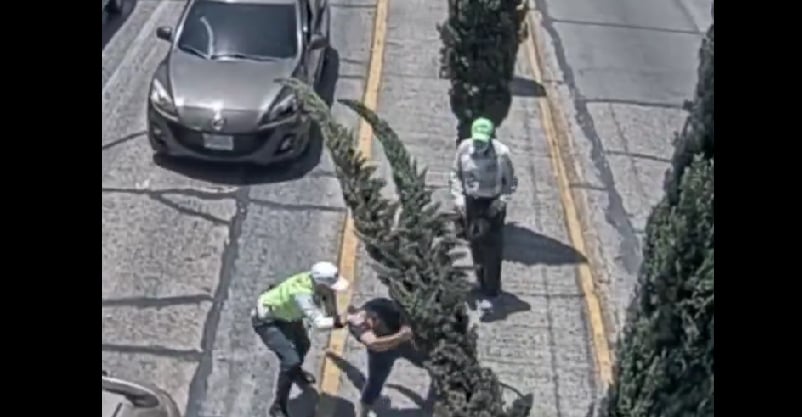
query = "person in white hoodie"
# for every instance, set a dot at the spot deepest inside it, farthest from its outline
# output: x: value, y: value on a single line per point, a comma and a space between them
x: 278, y: 320
x: 482, y: 179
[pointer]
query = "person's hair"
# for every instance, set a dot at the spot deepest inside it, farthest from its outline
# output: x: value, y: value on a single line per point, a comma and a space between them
x: 370, y: 314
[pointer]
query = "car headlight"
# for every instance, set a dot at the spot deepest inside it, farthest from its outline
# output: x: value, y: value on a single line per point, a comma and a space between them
x: 285, y: 107
x: 161, y: 99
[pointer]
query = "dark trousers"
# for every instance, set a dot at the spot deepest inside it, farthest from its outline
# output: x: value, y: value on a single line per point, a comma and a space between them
x: 380, y: 364
x: 290, y: 342
x: 485, y: 231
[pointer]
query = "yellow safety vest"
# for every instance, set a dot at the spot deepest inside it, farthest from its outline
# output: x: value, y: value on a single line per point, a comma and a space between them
x: 280, y: 300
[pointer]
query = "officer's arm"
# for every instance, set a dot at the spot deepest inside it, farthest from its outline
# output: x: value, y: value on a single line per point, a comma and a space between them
x: 381, y: 344
x: 330, y: 303
x: 306, y: 303
x: 455, y: 177
x: 508, y: 172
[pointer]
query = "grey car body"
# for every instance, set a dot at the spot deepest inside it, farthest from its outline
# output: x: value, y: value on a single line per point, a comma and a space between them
x: 214, y: 96
x: 122, y: 398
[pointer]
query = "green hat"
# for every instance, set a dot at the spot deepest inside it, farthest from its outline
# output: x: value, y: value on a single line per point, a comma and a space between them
x: 482, y: 129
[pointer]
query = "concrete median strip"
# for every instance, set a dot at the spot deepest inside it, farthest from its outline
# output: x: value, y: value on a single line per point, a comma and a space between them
x: 329, y: 384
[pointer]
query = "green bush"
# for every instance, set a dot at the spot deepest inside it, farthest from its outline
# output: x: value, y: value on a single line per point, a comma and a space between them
x: 412, y: 246
x: 665, y: 359
x: 480, y: 44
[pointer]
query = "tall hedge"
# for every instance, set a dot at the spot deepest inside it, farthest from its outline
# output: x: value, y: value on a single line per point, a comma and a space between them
x: 412, y: 247
x: 480, y: 44
x: 665, y: 360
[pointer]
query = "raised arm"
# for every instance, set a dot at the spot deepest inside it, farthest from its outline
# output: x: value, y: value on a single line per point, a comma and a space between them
x: 383, y: 343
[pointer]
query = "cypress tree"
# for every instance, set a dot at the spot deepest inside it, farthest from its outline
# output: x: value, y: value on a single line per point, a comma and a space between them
x: 665, y: 359
x: 412, y: 247
x: 480, y: 44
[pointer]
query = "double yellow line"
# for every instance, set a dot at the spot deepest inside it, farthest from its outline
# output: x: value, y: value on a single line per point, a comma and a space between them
x: 330, y: 375
x: 558, y: 134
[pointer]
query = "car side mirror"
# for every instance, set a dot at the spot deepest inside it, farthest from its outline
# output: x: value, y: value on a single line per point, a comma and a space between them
x: 318, y: 41
x: 165, y: 33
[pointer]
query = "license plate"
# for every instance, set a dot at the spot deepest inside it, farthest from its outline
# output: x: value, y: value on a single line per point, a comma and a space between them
x: 218, y: 142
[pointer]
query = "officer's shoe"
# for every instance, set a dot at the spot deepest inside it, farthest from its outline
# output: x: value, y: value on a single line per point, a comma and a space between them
x: 277, y: 411
x: 486, y: 309
x: 485, y: 305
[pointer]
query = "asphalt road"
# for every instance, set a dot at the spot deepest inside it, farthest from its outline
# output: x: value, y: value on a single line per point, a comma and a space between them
x: 623, y: 69
x: 187, y: 247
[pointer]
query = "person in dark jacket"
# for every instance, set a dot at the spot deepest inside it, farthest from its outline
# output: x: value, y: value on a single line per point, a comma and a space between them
x: 381, y: 326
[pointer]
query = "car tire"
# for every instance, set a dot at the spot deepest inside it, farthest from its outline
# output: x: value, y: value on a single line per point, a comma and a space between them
x: 114, y: 6
x: 158, y: 148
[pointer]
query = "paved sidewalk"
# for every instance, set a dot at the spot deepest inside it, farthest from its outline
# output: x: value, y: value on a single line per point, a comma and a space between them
x: 541, y: 345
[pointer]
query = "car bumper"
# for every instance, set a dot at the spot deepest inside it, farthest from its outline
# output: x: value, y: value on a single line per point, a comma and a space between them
x: 282, y: 141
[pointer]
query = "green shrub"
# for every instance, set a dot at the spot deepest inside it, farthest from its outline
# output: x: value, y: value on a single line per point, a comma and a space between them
x: 665, y: 359
x: 480, y: 44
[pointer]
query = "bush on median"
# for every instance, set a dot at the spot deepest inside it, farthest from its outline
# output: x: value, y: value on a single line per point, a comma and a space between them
x: 412, y: 246
x: 480, y: 45
x: 665, y: 360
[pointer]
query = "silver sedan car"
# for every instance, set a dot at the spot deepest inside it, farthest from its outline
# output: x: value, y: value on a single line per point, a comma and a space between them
x: 121, y: 398
x: 214, y: 97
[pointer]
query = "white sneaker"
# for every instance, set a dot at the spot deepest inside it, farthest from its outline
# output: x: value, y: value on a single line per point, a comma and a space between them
x: 362, y: 410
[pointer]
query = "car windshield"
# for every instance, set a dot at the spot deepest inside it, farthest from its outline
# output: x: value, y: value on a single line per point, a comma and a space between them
x: 231, y: 30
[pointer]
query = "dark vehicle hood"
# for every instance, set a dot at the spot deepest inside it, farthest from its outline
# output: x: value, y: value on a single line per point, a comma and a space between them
x: 243, y: 89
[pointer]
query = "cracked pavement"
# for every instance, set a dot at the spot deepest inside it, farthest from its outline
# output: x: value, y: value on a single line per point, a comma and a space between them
x: 187, y: 247
x: 623, y: 69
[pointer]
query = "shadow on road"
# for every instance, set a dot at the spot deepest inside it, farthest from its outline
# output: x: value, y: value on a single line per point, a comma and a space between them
x: 529, y: 248
x: 112, y: 23
x: 382, y: 407
x: 237, y: 174
x: 310, y: 400
x: 524, y: 87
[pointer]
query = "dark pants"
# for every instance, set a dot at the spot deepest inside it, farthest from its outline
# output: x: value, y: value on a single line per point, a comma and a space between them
x: 485, y: 230
x: 290, y: 342
x: 380, y: 364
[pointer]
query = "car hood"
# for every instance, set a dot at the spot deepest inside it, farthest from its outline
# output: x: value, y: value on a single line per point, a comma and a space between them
x: 243, y: 90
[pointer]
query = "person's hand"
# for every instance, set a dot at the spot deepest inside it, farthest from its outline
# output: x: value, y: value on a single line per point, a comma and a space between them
x: 338, y: 322
x: 459, y: 205
x: 406, y: 332
x: 356, y: 318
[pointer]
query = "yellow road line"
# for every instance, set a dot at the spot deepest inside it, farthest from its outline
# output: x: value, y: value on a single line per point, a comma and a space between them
x: 554, y: 134
x: 330, y: 373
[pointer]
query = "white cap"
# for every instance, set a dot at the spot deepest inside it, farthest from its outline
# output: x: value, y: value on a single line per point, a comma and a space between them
x: 326, y: 273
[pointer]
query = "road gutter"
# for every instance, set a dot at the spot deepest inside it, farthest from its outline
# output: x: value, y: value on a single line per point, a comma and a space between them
x: 559, y: 139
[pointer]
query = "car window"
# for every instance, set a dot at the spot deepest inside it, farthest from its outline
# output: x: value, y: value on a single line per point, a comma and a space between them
x: 221, y: 29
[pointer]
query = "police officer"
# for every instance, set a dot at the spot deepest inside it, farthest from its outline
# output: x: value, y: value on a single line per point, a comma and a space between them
x: 482, y: 177
x: 278, y: 320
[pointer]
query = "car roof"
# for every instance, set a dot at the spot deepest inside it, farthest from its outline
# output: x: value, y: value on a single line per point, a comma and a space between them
x: 250, y: 1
